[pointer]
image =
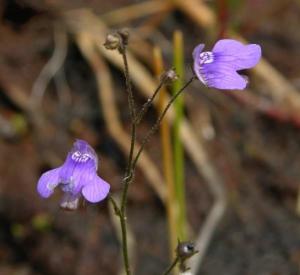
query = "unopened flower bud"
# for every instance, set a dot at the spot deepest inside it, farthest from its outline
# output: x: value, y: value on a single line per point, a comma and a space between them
x: 124, y: 33
x: 184, y: 251
x: 112, y: 41
x: 170, y: 76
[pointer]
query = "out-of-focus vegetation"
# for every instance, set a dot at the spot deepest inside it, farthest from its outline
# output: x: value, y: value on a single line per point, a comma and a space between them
x: 58, y: 83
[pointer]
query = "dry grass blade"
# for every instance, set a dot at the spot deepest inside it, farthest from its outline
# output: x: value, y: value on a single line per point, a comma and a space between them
x: 51, y: 67
x: 279, y: 88
x: 135, y: 11
x: 16, y: 94
x: 41, y: 126
x: 197, y: 11
x: 203, y: 164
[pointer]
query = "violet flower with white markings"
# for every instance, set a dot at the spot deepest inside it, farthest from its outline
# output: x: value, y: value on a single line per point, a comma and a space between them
x: 76, y: 177
x: 218, y: 68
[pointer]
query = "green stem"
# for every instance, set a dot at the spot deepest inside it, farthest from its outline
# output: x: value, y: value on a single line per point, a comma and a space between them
x: 115, y: 205
x: 178, y: 151
x: 129, y: 171
x: 132, y: 112
x: 125, y: 246
x: 123, y: 234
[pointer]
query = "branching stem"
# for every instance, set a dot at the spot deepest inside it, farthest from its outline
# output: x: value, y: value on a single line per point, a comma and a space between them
x: 132, y: 161
x: 129, y: 171
x: 148, y: 103
x: 158, y: 121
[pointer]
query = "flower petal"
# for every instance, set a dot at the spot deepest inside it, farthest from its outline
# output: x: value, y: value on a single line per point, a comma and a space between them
x: 47, y: 182
x: 222, y: 76
x: 197, y: 51
x: 238, y: 55
x: 96, y: 190
x: 81, y: 158
x: 197, y: 66
x: 86, y: 152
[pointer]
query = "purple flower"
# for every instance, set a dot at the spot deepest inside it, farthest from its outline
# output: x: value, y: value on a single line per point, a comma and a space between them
x: 76, y: 177
x: 218, y: 68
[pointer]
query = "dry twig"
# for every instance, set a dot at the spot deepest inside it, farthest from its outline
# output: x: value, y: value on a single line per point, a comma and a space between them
x: 135, y: 11
x: 51, y: 67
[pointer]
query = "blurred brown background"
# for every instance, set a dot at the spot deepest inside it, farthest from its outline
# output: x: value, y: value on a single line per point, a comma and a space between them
x: 49, y: 95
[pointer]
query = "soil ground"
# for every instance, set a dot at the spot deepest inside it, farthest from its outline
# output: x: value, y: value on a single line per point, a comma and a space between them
x: 256, y: 156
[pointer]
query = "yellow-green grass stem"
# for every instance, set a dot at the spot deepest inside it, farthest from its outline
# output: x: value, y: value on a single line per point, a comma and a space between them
x: 178, y: 151
x: 166, y: 143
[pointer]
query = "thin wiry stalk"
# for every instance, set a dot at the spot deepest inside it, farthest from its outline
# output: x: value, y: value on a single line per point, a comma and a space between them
x: 156, y: 125
x: 170, y: 268
x: 148, y: 103
x: 131, y: 109
x: 129, y: 171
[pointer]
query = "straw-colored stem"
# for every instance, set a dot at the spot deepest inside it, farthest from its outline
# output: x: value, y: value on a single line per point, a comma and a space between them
x: 165, y: 135
x: 178, y: 148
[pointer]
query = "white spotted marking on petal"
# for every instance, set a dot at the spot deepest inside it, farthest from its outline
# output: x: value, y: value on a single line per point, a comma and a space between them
x: 206, y: 57
x: 79, y: 157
